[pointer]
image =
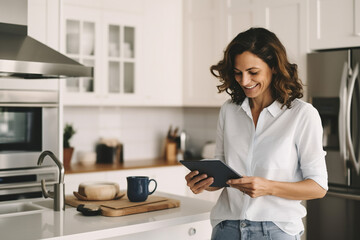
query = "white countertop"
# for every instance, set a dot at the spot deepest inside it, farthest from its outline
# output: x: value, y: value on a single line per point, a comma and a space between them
x: 70, y: 224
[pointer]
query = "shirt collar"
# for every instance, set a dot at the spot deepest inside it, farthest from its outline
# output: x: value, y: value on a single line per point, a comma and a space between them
x: 274, y: 108
x: 245, y: 105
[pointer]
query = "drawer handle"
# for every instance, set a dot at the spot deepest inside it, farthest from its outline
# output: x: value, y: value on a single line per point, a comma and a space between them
x: 192, y: 231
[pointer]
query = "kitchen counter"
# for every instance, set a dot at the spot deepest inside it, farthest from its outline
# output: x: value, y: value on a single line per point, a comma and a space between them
x: 70, y: 224
x: 134, y: 164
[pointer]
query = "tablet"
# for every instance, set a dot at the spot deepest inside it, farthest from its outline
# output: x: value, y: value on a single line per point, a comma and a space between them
x: 213, y: 168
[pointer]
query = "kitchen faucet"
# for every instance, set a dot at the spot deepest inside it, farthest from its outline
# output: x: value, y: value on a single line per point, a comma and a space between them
x: 59, y: 188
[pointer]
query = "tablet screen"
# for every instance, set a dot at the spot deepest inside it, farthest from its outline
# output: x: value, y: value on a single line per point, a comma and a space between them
x: 213, y: 168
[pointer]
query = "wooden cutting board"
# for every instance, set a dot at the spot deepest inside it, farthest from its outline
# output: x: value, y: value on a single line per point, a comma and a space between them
x: 123, y: 206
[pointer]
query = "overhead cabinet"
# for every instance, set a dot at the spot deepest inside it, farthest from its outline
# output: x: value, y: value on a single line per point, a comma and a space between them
x: 120, y: 61
x: 134, y: 46
x: 43, y: 21
x: 159, y: 53
x: 80, y: 38
x: 202, y: 48
x: 109, y: 43
x: 334, y: 24
x: 121, y: 64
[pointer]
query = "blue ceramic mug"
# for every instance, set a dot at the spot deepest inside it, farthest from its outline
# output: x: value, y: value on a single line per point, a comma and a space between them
x: 138, y: 188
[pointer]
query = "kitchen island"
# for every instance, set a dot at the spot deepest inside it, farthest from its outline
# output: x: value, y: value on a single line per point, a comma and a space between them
x: 189, y: 221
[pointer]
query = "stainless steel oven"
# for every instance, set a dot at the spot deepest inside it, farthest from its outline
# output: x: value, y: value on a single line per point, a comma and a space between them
x: 29, y: 109
x: 29, y: 125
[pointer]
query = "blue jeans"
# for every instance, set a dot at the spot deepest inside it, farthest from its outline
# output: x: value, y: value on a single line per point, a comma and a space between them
x: 249, y: 230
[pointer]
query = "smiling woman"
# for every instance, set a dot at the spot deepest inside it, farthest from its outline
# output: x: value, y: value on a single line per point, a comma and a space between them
x: 253, y: 74
x: 286, y: 86
x: 270, y: 136
x: 254, y: 77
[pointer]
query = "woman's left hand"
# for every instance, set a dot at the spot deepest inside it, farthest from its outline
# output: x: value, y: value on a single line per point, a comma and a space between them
x: 252, y: 186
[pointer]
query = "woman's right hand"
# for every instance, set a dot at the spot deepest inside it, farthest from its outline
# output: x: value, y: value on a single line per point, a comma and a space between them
x: 199, y: 182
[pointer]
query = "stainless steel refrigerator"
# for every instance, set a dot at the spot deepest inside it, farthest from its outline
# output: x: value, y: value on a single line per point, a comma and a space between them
x: 334, y: 89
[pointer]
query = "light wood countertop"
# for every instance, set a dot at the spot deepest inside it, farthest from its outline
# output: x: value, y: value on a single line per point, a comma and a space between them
x: 131, y: 164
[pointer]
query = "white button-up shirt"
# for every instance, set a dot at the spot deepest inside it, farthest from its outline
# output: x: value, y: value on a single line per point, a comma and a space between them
x: 286, y: 145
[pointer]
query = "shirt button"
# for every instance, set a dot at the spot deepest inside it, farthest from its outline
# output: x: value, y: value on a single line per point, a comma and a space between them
x: 242, y: 224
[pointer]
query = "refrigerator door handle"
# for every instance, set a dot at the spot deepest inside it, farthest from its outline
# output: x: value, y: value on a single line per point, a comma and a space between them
x: 349, y: 142
x: 342, y: 115
x: 343, y: 195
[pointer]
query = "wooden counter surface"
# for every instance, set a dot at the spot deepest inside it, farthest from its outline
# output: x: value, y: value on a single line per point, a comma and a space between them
x: 132, y: 164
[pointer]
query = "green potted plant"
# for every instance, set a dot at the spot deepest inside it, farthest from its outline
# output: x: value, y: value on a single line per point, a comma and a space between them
x: 69, y: 131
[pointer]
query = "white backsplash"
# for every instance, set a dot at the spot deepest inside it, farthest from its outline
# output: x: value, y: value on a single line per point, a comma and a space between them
x: 141, y: 130
x: 200, y: 124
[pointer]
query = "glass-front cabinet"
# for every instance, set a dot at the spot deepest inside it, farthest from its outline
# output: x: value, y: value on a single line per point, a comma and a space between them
x: 121, y: 59
x: 107, y: 42
x: 80, y: 46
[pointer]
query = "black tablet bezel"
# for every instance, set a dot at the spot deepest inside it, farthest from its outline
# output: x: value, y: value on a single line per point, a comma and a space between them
x: 213, y: 168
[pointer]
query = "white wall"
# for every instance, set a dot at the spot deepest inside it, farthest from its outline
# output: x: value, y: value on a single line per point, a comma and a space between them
x: 200, y: 124
x: 142, y: 130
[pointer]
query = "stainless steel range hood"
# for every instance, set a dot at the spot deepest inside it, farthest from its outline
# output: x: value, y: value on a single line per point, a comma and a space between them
x: 23, y: 56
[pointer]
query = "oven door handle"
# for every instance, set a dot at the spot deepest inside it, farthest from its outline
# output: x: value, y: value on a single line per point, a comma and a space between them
x: 349, y: 142
x: 342, y: 115
x: 344, y: 195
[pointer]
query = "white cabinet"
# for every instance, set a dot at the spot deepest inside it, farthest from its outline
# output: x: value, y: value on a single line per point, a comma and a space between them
x: 159, y: 53
x: 200, y: 230
x: 43, y: 21
x: 334, y: 24
x: 120, y: 62
x: 162, y: 53
x: 120, y: 57
x: 238, y: 16
x: 81, y: 41
x: 109, y: 42
x: 202, y: 48
x: 135, y: 48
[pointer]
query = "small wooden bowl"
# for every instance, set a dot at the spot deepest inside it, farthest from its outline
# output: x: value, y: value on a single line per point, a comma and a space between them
x: 97, y: 191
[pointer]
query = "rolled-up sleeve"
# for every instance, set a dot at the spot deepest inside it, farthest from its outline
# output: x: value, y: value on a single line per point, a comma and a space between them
x: 310, y: 148
x: 219, y: 150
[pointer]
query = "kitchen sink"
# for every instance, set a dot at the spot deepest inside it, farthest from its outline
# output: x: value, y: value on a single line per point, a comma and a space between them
x: 47, y: 203
x: 13, y: 209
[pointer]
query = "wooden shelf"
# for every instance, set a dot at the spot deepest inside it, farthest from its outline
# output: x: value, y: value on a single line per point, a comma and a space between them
x: 133, y: 164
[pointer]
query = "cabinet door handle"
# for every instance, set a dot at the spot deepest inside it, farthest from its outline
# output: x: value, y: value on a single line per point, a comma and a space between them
x: 192, y: 231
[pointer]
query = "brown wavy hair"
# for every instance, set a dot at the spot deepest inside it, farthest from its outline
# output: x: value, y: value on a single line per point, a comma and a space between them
x: 285, y: 84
